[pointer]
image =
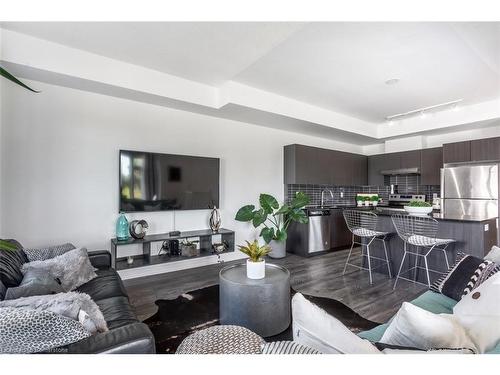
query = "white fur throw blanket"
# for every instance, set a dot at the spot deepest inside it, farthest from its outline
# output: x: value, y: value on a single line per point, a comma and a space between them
x: 73, y: 305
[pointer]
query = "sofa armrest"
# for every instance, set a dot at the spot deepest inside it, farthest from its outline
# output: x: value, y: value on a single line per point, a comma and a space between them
x: 135, y: 338
x: 100, y: 259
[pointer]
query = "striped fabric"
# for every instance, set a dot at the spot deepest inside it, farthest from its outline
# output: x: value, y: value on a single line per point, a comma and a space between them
x: 286, y: 347
x: 465, y: 275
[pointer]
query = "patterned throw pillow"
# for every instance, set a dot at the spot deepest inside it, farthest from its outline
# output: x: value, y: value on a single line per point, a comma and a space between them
x: 32, y: 331
x: 466, y: 274
x: 287, y: 347
x: 50, y: 252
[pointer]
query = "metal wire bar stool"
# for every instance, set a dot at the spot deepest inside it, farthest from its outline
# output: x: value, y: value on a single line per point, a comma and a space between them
x: 419, y: 232
x: 363, y: 224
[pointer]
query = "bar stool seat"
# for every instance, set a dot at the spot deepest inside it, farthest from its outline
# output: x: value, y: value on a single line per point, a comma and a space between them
x: 419, y: 240
x: 364, y: 232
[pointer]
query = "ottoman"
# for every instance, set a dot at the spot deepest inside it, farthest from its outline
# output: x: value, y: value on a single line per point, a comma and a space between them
x: 222, y: 340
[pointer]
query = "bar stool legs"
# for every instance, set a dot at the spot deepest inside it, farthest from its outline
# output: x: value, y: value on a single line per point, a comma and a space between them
x: 416, y: 266
x: 369, y: 256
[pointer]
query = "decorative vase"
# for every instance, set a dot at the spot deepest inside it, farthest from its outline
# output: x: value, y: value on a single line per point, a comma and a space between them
x: 360, y: 203
x: 278, y: 249
x: 256, y: 270
x: 367, y: 203
x: 375, y: 203
x: 215, y: 220
x: 122, y: 228
x: 130, y: 260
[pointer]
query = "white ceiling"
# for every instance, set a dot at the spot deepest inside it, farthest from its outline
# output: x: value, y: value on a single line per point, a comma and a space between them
x: 341, y: 67
x: 208, y: 52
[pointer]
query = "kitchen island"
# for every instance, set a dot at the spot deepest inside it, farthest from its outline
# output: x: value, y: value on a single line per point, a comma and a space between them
x: 474, y: 235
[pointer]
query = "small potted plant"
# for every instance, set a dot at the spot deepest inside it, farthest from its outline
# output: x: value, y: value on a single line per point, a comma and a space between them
x: 359, y: 200
x: 367, y: 201
x: 189, y: 248
x: 419, y: 208
x: 256, y: 264
x: 374, y: 199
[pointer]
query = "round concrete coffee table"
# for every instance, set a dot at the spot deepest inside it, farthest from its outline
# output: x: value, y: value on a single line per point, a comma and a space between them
x: 262, y: 306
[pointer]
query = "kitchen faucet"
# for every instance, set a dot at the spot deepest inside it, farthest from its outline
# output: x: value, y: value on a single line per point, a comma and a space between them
x: 323, y: 195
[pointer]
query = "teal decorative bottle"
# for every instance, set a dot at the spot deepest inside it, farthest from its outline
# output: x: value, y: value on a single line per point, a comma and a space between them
x: 122, y: 233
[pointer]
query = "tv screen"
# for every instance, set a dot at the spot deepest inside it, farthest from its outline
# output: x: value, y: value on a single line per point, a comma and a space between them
x: 160, y: 182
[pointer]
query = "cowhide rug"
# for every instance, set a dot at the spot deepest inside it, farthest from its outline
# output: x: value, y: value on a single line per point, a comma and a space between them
x: 190, y: 312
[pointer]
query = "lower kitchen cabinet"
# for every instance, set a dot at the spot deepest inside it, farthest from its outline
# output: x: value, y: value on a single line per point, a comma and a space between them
x: 340, y: 236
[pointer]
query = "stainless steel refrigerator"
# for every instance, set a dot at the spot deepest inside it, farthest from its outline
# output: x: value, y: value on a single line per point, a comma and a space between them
x: 470, y: 190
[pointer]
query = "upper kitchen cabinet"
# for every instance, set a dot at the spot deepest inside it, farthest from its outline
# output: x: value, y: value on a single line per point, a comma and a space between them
x: 409, y: 159
x: 318, y: 166
x: 457, y: 152
x: 376, y: 163
x: 485, y: 149
x: 431, y: 162
x: 395, y: 160
x: 303, y: 165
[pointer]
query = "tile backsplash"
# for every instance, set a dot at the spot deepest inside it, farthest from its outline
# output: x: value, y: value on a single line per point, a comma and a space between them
x: 406, y: 185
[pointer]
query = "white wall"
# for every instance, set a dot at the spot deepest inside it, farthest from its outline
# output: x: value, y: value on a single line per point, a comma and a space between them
x: 60, y: 154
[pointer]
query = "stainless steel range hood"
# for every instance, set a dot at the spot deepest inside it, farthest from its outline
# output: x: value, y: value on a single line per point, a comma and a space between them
x: 401, y: 171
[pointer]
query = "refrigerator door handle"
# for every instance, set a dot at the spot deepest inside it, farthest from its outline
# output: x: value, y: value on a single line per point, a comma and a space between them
x: 441, y: 193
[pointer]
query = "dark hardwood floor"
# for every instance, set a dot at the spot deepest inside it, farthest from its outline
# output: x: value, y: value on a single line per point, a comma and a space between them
x: 319, y: 275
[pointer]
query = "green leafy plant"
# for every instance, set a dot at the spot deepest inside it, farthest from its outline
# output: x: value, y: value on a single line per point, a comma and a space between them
x: 366, y: 199
x: 254, y: 251
x: 7, y: 246
x: 359, y: 198
x: 419, y: 204
x: 10, y: 77
x: 374, y: 198
x: 274, y: 219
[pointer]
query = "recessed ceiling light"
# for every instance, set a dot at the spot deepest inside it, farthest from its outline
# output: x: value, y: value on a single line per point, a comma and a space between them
x: 392, y: 81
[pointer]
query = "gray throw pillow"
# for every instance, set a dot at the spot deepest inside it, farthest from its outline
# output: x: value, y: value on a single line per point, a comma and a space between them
x: 36, y: 282
x: 73, y: 268
x: 49, y: 252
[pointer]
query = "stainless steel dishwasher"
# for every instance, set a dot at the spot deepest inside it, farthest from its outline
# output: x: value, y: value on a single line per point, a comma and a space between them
x: 310, y: 238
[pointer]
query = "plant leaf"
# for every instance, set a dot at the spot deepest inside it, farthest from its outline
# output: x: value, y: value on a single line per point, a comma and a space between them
x: 245, y: 213
x: 281, y: 235
x: 10, y: 77
x: 283, y: 210
x: 259, y: 217
x: 7, y: 246
x: 267, y: 234
x: 268, y: 203
x: 300, y: 200
x: 298, y: 215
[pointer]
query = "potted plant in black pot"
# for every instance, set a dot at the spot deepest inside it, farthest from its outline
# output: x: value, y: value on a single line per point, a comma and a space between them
x: 275, y: 220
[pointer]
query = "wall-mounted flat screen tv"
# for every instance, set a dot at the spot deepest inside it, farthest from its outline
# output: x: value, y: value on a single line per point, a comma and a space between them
x: 161, y: 182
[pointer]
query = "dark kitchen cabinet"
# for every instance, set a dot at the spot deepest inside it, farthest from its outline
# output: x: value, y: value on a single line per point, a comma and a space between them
x: 313, y: 165
x: 340, y: 237
x: 376, y: 163
x: 304, y: 165
x: 359, y: 174
x: 431, y: 162
x: 394, y: 160
x: 409, y: 159
x: 457, y: 152
x: 485, y: 149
